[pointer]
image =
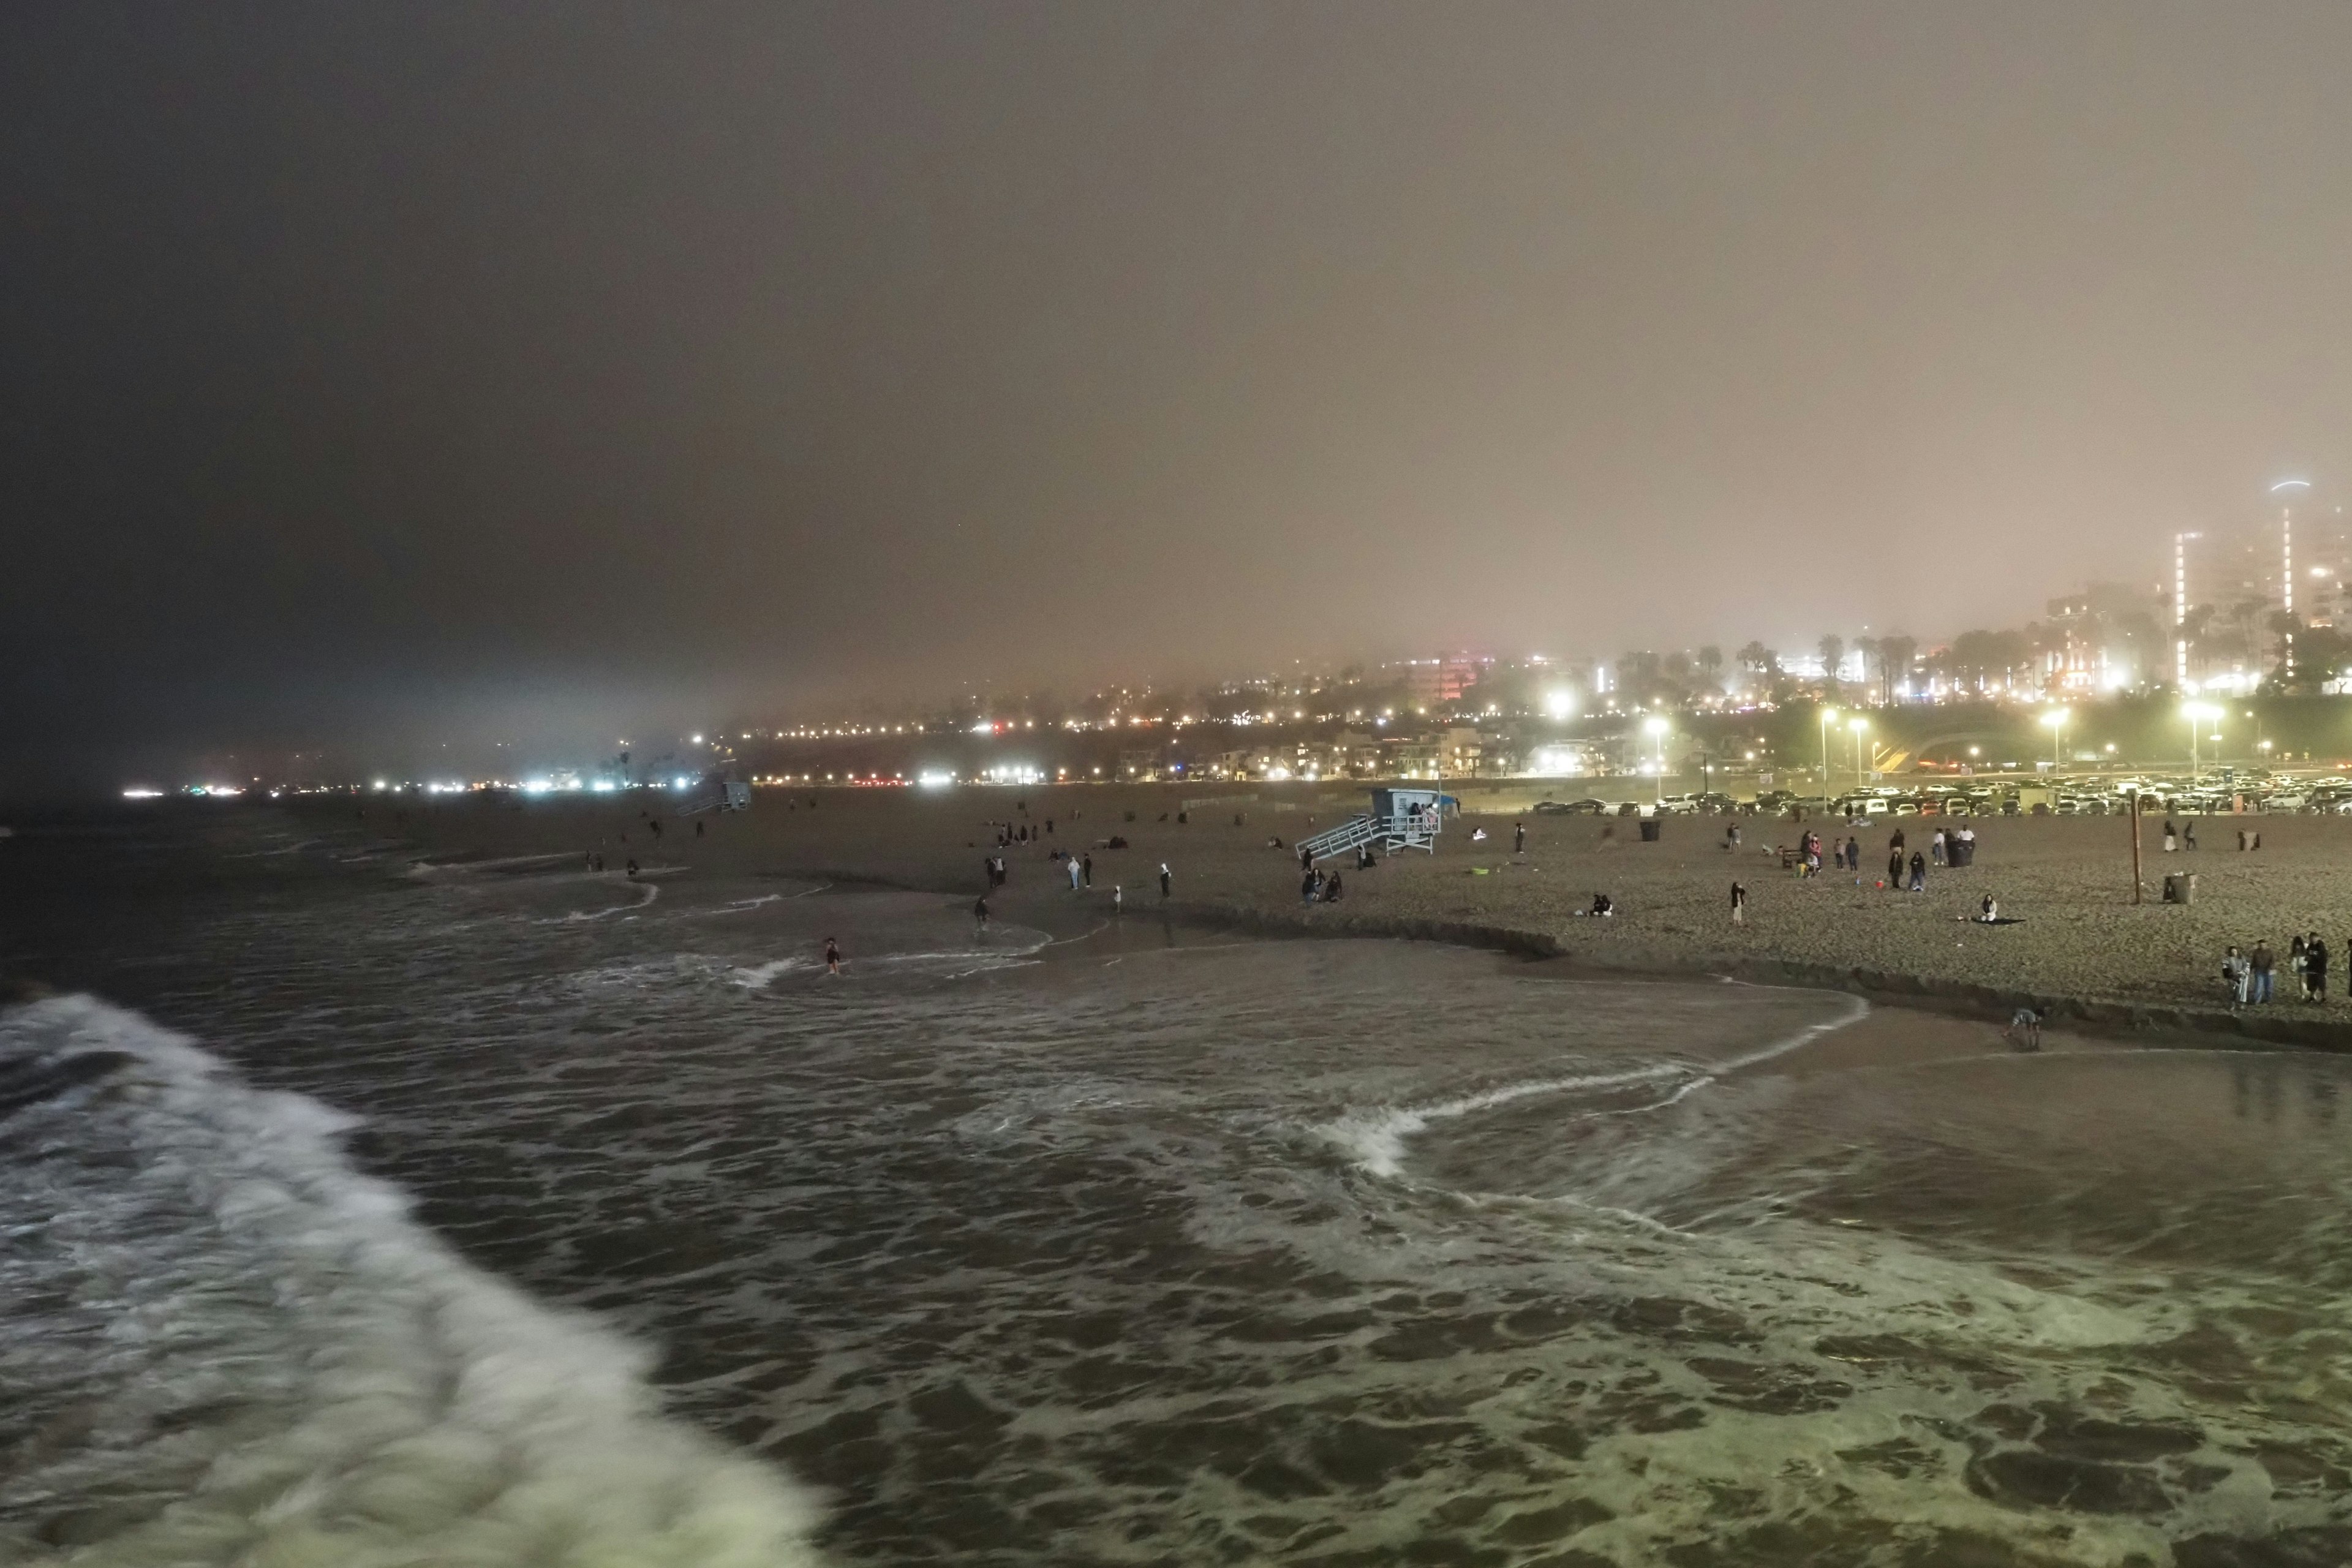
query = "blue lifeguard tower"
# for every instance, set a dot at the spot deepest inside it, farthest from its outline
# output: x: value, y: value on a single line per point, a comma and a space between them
x: 1400, y: 819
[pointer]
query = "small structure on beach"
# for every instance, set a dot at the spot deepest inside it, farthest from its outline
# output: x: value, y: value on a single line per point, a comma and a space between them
x: 1400, y: 819
x: 715, y: 792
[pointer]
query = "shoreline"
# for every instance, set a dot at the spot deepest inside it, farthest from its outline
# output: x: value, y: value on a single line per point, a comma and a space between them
x: 2089, y: 960
x: 2213, y: 1029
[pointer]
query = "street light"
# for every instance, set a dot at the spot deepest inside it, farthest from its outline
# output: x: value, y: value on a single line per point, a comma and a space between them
x: 2056, y: 718
x: 1860, y: 726
x: 2197, y: 713
x: 1560, y: 703
x: 1655, y: 727
x: 1828, y: 716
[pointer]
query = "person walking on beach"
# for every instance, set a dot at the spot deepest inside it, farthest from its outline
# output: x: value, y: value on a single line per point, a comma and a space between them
x: 1738, y: 904
x: 1166, y: 879
x: 1918, y: 872
x: 2237, y: 977
x: 1086, y: 867
x: 2189, y: 835
x: 1518, y: 839
x: 1936, y: 847
x: 2315, y: 957
x: 1853, y: 853
x: 2171, y: 837
x: 1731, y: 837
x: 1074, y: 874
x: 980, y: 917
x: 832, y: 956
x: 2261, y: 961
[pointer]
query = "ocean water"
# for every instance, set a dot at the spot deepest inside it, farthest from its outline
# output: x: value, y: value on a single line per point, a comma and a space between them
x: 365, y: 1212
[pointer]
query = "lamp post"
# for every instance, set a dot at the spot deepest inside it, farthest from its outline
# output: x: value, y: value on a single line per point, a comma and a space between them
x: 1657, y: 728
x: 1860, y: 726
x: 1828, y: 715
x: 2056, y: 718
x: 2197, y: 713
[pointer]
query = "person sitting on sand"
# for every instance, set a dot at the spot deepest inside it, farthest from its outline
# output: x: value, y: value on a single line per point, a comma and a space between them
x: 1477, y: 836
x: 1331, y: 889
x: 1603, y: 907
x: 1989, y: 911
x: 1918, y: 872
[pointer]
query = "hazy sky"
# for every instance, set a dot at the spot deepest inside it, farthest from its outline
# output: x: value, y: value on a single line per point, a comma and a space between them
x: 359, y: 363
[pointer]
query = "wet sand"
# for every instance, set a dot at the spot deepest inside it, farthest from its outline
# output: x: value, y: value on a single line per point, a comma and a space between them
x: 2081, y: 952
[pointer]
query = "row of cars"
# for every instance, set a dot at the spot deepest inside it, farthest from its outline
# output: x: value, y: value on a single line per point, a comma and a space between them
x: 2101, y: 797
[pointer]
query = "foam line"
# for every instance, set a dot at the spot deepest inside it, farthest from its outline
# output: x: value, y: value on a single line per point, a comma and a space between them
x: 1378, y: 1139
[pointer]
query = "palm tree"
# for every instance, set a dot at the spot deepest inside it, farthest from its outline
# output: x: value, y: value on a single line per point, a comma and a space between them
x: 1833, y: 648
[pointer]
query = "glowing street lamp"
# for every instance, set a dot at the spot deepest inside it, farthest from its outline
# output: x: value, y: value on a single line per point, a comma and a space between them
x: 1656, y: 727
x: 1829, y: 717
x: 2056, y: 718
x: 1560, y: 703
x: 2198, y: 714
x: 1861, y: 727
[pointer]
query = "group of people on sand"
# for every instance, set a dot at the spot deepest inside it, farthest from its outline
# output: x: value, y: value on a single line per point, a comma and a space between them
x: 2249, y: 979
x: 1314, y: 887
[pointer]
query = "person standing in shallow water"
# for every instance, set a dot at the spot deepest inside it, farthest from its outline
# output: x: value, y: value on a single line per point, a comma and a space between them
x: 832, y: 956
x: 980, y: 916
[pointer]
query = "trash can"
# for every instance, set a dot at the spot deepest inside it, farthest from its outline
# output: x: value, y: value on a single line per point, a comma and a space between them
x: 2180, y: 886
x: 1650, y: 826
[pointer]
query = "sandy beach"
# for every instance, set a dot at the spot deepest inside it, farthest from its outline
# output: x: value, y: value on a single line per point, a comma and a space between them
x: 2081, y: 950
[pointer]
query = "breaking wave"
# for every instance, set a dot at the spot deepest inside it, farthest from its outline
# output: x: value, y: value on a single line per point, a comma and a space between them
x: 222, y: 1344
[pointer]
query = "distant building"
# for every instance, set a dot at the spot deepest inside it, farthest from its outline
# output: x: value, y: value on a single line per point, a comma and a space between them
x: 2233, y: 585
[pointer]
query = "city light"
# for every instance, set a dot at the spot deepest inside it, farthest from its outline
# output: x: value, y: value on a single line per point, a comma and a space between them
x: 1561, y: 702
x: 142, y: 793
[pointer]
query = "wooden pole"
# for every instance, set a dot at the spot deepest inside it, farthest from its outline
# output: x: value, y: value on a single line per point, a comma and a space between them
x: 2131, y: 801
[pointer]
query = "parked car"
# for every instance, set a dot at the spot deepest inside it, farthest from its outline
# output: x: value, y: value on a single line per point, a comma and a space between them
x: 1585, y: 807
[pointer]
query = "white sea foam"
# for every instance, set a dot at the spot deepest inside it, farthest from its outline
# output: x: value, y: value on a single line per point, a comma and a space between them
x: 251, y: 1355
x: 647, y: 894
x: 1376, y: 1140
x: 1006, y: 948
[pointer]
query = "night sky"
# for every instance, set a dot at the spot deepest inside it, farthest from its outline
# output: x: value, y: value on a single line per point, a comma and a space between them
x: 392, y: 373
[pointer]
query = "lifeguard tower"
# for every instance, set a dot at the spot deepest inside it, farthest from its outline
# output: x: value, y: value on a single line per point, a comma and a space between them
x: 1400, y: 819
